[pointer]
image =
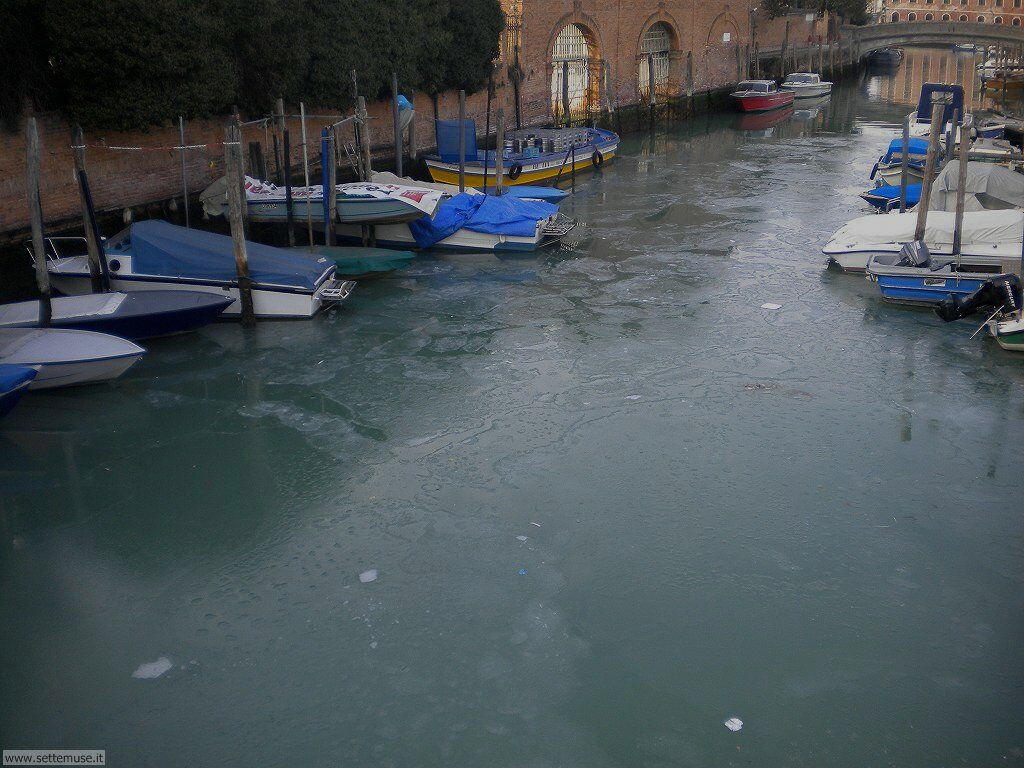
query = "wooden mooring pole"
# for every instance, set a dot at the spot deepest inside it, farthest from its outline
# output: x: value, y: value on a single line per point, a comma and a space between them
x: 305, y: 174
x: 184, y: 169
x: 398, y: 128
x: 35, y: 210
x: 939, y: 101
x: 286, y: 171
x: 904, y: 163
x: 330, y: 197
x: 98, y: 274
x: 499, y: 154
x: 961, y: 182
x: 236, y: 201
x: 462, y: 141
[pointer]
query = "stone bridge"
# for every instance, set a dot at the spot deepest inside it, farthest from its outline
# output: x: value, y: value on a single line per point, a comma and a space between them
x: 875, y: 36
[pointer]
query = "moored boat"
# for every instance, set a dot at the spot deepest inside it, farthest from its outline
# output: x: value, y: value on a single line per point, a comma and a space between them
x: 806, y: 85
x: 14, y: 382
x: 887, y: 198
x: 155, y: 255
x: 360, y: 263
x: 65, y: 358
x: 760, y: 96
x: 135, y: 315
x: 530, y: 156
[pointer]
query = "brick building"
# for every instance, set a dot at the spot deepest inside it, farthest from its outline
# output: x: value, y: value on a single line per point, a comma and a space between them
x: 1008, y: 12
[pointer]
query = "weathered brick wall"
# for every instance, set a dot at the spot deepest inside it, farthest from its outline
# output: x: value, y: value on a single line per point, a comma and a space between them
x: 709, y: 44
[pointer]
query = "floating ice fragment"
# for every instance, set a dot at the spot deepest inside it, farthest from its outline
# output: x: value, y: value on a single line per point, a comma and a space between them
x: 769, y: 305
x: 633, y: 397
x: 733, y: 724
x: 537, y: 524
x: 152, y: 669
x: 373, y: 645
x: 367, y: 576
x: 522, y: 571
x: 522, y: 538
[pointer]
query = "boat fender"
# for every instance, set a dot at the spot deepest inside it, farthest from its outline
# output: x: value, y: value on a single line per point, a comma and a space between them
x: 597, y: 159
x: 514, y: 171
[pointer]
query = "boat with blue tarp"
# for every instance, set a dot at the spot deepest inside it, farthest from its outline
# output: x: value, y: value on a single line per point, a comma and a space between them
x: 157, y: 255
x: 889, y: 168
x: 14, y: 382
x: 887, y: 197
x: 529, y: 156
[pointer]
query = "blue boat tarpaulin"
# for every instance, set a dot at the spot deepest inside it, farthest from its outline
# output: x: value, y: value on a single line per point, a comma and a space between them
x: 446, y: 132
x: 159, y: 248
x: 481, y: 213
x: 881, y: 197
x: 915, y: 147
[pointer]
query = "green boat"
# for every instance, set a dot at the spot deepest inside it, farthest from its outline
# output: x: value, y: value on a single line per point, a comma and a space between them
x: 358, y: 263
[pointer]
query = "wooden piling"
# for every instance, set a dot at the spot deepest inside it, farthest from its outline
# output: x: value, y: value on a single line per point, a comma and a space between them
x: 236, y: 202
x: 286, y: 171
x: 364, y: 123
x: 939, y: 101
x: 97, y: 265
x: 398, y: 128
x: 958, y: 220
x: 184, y: 170
x: 327, y: 175
x: 462, y: 141
x: 904, y: 163
x: 499, y: 154
x: 35, y: 210
x: 565, y: 93
x: 305, y: 174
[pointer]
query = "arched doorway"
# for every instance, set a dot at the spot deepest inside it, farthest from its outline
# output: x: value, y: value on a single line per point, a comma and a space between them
x: 928, y: 17
x: 1016, y: 21
x: 654, y: 56
x: 945, y: 17
x: 895, y: 18
x: 572, y: 80
x: 912, y: 17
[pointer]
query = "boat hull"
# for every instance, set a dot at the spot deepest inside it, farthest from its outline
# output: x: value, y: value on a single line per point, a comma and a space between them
x: 763, y: 102
x: 65, y: 358
x: 925, y: 290
x: 545, y: 170
x: 349, y: 210
x: 14, y: 382
x: 399, y: 236
x: 891, y: 175
x: 1009, y: 334
x: 808, y: 91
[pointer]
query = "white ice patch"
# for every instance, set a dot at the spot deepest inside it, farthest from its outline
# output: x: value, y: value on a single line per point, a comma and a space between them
x: 367, y: 576
x: 771, y: 306
x: 733, y: 724
x: 522, y: 538
x: 152, y: 669
x: 633, y: 397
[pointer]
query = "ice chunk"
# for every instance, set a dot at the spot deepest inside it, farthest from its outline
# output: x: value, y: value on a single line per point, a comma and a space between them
x: 734, y: 724
x: 769, y: 305
x: 152, y: 669
x: 367, y: 576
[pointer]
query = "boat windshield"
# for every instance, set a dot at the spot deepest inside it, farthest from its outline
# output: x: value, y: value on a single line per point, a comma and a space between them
x: 753, y: 85
x: 801, y: 78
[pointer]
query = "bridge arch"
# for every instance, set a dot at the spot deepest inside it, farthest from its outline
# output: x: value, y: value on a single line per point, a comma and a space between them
x: 906, y: 29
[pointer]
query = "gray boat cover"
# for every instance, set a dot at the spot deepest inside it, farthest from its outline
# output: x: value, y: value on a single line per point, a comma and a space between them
x: 980, y: 227
x: 989, y: 187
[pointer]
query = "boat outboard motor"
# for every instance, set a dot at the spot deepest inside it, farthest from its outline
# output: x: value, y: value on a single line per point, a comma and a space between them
x: 913, y: 254
x: 1002, y: 291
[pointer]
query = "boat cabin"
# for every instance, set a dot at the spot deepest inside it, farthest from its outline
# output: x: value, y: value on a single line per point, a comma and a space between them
x: 803, y: 78
x: 756, y: 86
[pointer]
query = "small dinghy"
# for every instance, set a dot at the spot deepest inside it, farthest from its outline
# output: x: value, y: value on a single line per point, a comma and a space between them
x: 889, y: 168
x: 913, y: 276
x: 65, y: 357
x: 136, y: 315
x: 359, y: 263
x: 14, y: 382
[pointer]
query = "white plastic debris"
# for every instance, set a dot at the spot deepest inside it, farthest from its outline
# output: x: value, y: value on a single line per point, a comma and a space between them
x: 771, y: 306
x: 734, y: 724
x: 633, y: 397
x: 152, y: 669
x: 537, y: 524
x: 522, y: 538
x: 367, y: 576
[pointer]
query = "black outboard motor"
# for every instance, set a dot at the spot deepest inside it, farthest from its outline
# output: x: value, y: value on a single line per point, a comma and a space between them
x: 914, y: 254
x: 1002, y: 291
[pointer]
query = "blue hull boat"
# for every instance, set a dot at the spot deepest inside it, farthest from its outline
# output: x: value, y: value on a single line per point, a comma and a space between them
x: 912, y: 276
x: 887, y: 198
x: 14, y: 382
x: 134, y: 315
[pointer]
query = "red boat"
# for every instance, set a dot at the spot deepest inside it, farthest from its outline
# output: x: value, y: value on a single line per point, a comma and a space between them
x: 761, y: 96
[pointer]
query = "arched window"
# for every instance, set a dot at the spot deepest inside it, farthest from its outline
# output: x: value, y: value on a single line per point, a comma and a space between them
x: 998, y: 19
x: 571, y: 55
x: 911, y: 17
x: 981, y: 19
x: 945, y: 17
x: 928, y: 17
x: 895, y: 18
x: 655, y: 46
x: 1016, y: 21
x: 963, y: 17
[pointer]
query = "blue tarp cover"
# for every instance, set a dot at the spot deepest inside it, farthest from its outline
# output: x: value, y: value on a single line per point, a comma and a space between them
x: 481, y: 213
x: 924, y: 103
x: 159, y: 248
x: 447, y: 134
x: 893, y: 193
x: 915, y: 147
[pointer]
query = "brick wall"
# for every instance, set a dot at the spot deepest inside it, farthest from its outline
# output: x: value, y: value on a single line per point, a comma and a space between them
x: 709, y: 42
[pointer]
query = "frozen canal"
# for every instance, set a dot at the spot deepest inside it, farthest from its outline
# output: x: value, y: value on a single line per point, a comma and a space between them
x: 610, y: 500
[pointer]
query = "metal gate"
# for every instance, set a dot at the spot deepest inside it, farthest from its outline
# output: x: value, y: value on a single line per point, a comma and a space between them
x: 654, y: 56
x: 570, y: 75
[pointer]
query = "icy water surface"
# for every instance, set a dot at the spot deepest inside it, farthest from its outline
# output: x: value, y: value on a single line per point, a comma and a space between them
x: 574, y: 509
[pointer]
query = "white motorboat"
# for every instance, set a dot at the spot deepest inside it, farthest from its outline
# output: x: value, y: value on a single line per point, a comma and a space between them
x: 994, y: 237
x: 154, y: 255
x: 806, y: 85
x: 64, y: 358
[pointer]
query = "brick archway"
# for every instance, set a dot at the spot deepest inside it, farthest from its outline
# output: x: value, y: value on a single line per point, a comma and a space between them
x: 659, y: 41
x: 574, y: 67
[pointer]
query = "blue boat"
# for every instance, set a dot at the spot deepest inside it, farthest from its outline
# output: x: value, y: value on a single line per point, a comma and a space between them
x: 889, y: 165
x: 14, y: 382
x: 887, y: 198
x: 134, y: 315
x: 911, y: 276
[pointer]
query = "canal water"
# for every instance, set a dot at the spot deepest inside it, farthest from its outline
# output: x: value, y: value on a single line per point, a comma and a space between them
x: 573, y: 509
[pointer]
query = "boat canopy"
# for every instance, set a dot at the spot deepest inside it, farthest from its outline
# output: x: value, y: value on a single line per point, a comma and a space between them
x: 160, y: 248
x: 892, y: 193
x: 895, y: 151
x: 989, y: 186
x: 924, y: 103
x: 980, y: 227
x: 758, y: 86
x: 481, y: 213
x: 804, y: 78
